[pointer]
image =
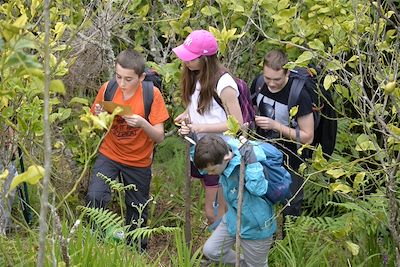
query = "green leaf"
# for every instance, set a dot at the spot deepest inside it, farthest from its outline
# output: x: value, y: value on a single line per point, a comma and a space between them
x: 336, y: 173
x: 64, y: 113
x: 79, y: 100
x: 316, y: 44
x: 143, y: 11
x: 283, y: 4
x: 358, y: 179
x: 25, y: 43
x: 7, y: 112
x: 57, y: 86
x: 304, y: 58
x: 319, y: 161
x: 328, y: 80
x: 364, y: 143
x: 209, y: 11
x: 334, y: 65
x: 340, y: 187
x: 185, y: 16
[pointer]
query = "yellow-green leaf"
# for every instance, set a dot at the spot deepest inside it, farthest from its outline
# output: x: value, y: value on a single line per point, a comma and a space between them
x: 336, y: 173
x: 34, y: 5
x: 209, y: 11
x: 4, y: 175
x: 394, y: 129
x: 304, y: 146
x: 59, y: 29
x: 31, y: 176
x: 358, y: 179
x: 293, y: 111
x: 100, y: 121
x: 79, y: 100
x: 304, y: 58
x: 340, y: 187
x: 57, y: 86
x: 317, y: 45
x: 233, y: 126
x: 185, y: 16
x: 319, y: 162
x: 328, y: 80
x: 21, y: 21
x: 354, y: 248
x: 364, y: 143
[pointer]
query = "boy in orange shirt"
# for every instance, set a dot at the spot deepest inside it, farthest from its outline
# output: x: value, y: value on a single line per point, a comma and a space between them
x: 127, y: 149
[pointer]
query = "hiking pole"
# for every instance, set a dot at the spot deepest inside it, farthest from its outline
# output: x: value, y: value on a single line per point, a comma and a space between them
x: 188, y: 179
x: 23, y: 192
x: 240, y: 201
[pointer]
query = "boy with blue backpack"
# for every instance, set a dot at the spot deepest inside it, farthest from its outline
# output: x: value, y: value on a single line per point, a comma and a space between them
x: 216, y: 156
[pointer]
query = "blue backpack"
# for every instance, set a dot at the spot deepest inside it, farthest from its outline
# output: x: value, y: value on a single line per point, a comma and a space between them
x: 279, y: 179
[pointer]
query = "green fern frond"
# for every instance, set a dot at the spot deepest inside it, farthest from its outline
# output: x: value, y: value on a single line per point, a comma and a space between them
x: 115, y: 185
x: 145, y: 232
x: 102, y: 217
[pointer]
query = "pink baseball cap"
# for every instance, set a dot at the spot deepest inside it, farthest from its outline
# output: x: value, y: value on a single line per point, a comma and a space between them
x: 198, y: 43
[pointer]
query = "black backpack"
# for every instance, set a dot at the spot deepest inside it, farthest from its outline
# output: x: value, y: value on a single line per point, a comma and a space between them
x: 325, y: 123
x: 152, y: 79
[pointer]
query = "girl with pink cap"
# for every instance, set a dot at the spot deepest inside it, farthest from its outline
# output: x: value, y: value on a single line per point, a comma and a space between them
x: 204, y: 77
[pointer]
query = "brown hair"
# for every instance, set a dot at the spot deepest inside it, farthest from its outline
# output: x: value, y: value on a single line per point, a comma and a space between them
x: 275, y: 60
x: 131, y: 59
x: 210, y: 150
x: 208, y: 76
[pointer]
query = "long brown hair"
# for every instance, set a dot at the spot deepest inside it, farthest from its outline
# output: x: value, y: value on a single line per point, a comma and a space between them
x: 208, y: 76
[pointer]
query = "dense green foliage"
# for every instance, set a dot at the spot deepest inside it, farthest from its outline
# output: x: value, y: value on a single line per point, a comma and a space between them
x: 352, y: 201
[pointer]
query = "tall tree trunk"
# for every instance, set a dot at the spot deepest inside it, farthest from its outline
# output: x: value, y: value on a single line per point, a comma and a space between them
x: 47, y: 140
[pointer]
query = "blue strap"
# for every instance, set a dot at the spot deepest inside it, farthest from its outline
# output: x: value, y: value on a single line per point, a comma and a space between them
x: 216, y: 205
x: 214, y: 225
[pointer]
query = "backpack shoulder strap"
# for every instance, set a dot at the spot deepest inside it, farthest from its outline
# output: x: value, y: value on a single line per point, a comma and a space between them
x: 148, y: 96
x: 257, y: 89
x: 110, y: 90
x: 215, y: 95
x: 295, y: 90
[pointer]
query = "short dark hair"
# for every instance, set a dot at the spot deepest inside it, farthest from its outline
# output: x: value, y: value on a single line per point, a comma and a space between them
x: 275, y: 59
x: 131, y: 59
x: 210, y: 150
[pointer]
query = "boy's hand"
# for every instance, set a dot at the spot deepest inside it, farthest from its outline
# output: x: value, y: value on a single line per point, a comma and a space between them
x: 134, y: 120
x: 98, y: 109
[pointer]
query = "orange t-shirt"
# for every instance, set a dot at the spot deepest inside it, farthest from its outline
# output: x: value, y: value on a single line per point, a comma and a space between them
x: 130, y: 145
